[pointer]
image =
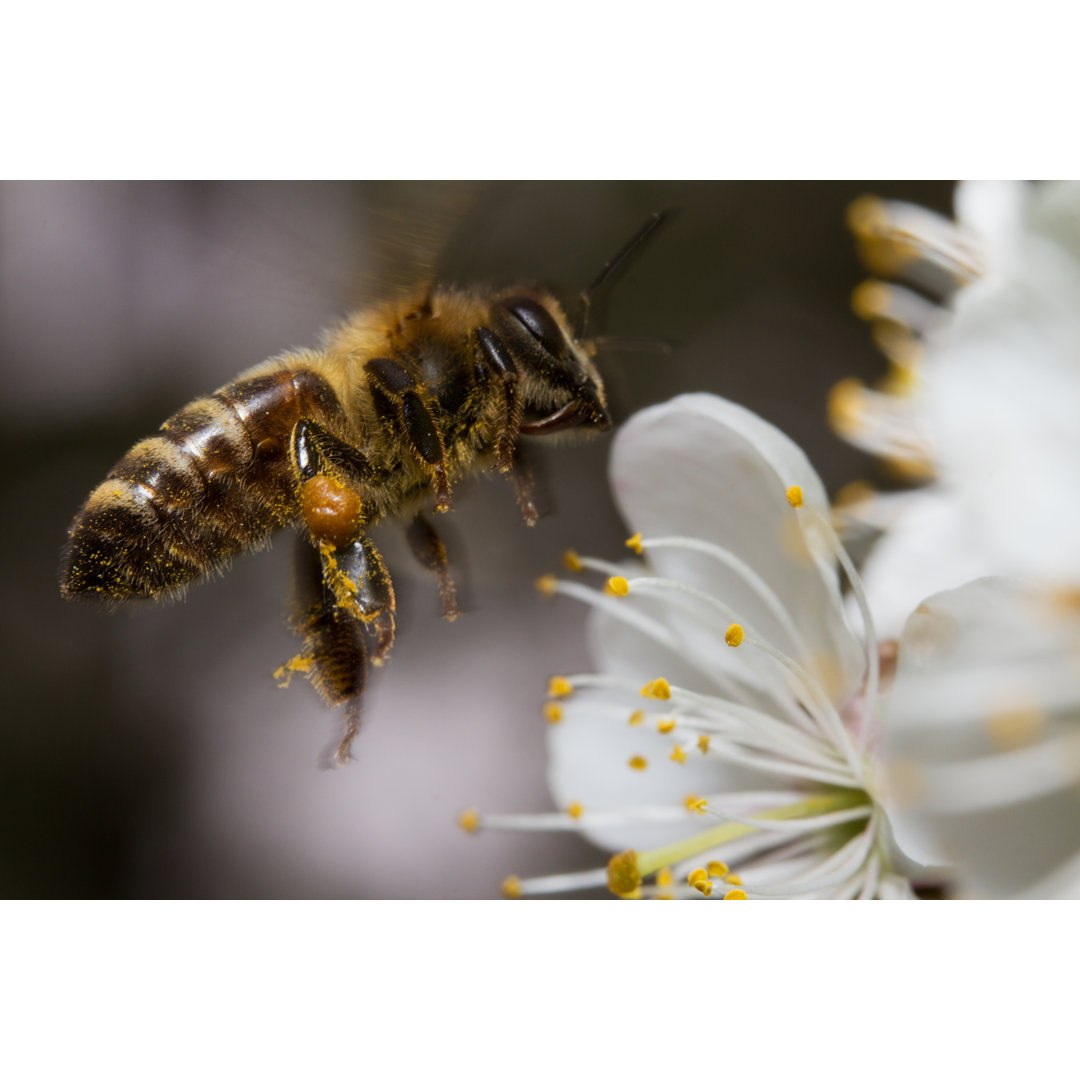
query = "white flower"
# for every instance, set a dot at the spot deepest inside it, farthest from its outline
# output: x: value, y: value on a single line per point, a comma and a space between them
x: 725, y: 744
x: 982, y: 744
x: 983, y: 394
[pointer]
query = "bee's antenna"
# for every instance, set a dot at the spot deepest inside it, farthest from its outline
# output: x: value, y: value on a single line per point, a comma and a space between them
x: 618, y: 262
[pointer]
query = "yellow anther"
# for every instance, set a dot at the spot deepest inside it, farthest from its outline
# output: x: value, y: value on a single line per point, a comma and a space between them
x: 794, y: 496
x: 511, y: 888
x: 575, y: 810
x: 844, y: 406
x: 623, y: 876
x: 703, y: 743
x: 658, y: 689
x: 733, y: 879
x: 696, y: 876
x: 1014, y: 728
x: 559, y: 687
x: 678, y: 755
x: 704, y: 887
x: 665, y: 878
x: 695, y: 805
x: 572, y: 561
x: 734, y: 635
x: 552, y: 712
x: 617, y: 586
x: 634, y: 543
x: 717, y: 869
x: 736, y: 894
x: 866, y: 215
x: 547, y: 585
x: 870, y: 300
x: 853, y: 493
x: 635, y: 895
x: 469, y: 820
x: 637, y: 762
x: 636, y: 717
x: 666, y: 725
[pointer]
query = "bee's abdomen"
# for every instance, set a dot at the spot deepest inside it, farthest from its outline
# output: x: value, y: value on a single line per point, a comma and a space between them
x: 214, y: 482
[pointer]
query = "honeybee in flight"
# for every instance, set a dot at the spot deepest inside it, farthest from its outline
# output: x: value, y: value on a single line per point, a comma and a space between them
x: 402, y: 402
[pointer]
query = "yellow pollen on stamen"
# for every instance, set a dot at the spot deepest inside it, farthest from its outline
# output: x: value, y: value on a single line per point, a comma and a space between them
x: 575, y: 810
x: 1014, y: 728
x: 552, y: 712
x: 733, y: 879
x: 546, y: 585
x: 678, y: 755
x: 844, y: 406
x: 695, y: 805
x: 658, y: 689
x: 665, y: 878
x: 572, y: 561
x: 469, y: 820
x: 866, y: 215
x: 559, y: 687
x: 696, y: 876
x: 717, y: 869
x: 623, y: 875
x: 853, y: 493
x: 634, y: 543
x: 704, y: 887
x: 617, y: 586
x: 636, y: 717
x: 794, y: 496
x: 638, y: 762
x: 511, y: 888
x: 734, y: 635
x: 666, y: 725
x: 870, y: 300
x: 703, y: 743
x: 736, y: 894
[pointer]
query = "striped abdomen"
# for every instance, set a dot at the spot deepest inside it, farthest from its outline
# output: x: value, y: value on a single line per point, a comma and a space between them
x: 214, y: 482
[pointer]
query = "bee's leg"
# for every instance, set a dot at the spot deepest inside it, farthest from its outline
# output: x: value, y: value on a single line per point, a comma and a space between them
x: 333, y: 656
x: 401, y: 393
x: 497, y: 359
x: 431, y: 552
x: 333, y: 510
x: 525, y: 486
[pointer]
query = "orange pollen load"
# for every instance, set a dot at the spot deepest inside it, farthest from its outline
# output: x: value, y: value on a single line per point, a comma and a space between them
x: 331, y: 511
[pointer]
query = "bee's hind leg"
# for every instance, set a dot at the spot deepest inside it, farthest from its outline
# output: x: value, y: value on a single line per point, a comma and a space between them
x: 333, y: 656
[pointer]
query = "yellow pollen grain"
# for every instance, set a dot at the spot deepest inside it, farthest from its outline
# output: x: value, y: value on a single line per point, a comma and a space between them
x: 666, y: 725
x: 665, y: 878
x: 559, y: 687
x: 511, y: 888
x: 870, y: 300
x: 703, y: 743
x: 552, y: 712
x: 678, y: 755
x: 733, y: 879
x: 736, y: 894
x: 638, y: 762
x: 734, y: 635
x: 469, y: 820
x: 659, y: 689
x: 852, y: 494
x: 704, y: 887
x: 1013, y: 729
x: 844, y: 406
x: 866, y: 215
x: 634, y: 543
x: 572, y: 561
x: 637, y: 717
x: 794, y: 496
x: 695, y: 805
x: 617, y: 586
x: 717, y: 869
x: 623, y: 876
x: 547, y: 584
x: 575, y: 810
x: 696, y: 876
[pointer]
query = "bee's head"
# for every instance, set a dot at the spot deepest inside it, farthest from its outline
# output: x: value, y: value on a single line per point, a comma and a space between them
x: 560, y: 386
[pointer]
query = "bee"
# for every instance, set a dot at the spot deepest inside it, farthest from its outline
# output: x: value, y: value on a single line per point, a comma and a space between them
x: 401, y: 403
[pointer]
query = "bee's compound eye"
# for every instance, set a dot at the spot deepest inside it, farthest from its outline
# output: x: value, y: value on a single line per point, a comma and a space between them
x: 536, y: 319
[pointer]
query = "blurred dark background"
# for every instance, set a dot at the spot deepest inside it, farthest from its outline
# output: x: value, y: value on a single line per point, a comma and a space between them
x: 148, y: 753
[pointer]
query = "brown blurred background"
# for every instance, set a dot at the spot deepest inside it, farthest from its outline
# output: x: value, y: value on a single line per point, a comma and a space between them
x: 148, y: 753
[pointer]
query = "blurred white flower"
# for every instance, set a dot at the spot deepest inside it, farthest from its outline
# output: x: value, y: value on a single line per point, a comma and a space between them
x: 982, y: 745
x: 982, y: 395
x: 725, y: 746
